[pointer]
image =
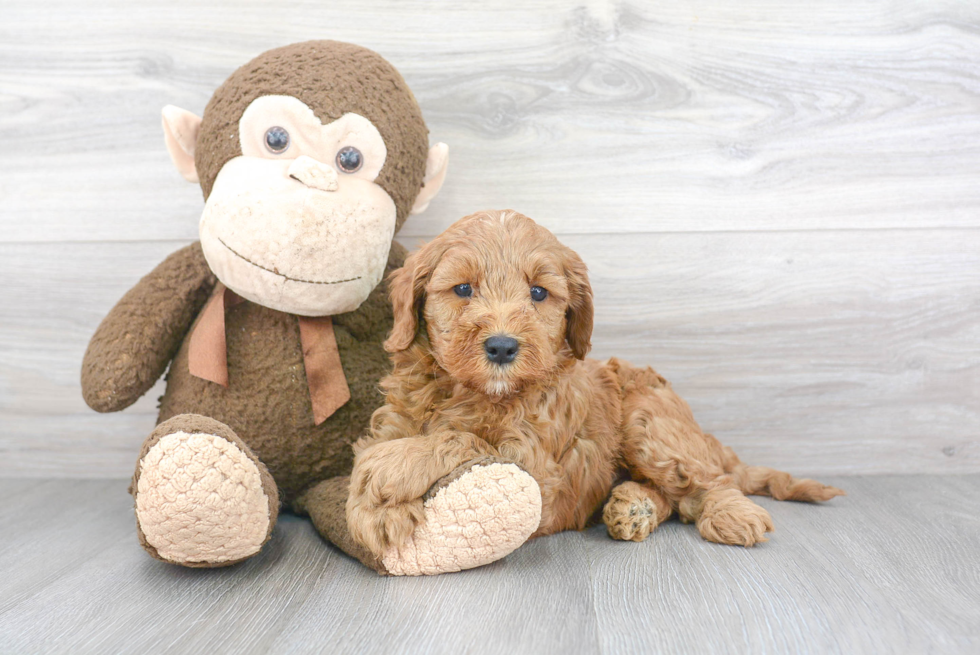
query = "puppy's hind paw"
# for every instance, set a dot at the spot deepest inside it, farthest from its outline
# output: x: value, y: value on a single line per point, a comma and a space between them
x: 728, y: 517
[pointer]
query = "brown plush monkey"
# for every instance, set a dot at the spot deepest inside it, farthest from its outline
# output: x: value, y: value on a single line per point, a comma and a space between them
x: 310, y: 157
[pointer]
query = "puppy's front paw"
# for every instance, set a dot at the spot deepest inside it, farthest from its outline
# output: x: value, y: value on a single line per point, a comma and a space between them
x: 380, y: 528
x: 728, y: 517
x: 633, y: 511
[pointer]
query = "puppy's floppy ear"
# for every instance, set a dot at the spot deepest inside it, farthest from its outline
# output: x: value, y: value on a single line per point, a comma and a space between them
x: 406, y: 287
x: 578, y: 317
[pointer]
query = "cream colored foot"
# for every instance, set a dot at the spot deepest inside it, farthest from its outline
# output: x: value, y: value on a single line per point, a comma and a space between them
x: 476, y: 515
x: 200, y: 500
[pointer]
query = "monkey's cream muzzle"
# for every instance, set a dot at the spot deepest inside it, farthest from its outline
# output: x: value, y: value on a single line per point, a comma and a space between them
x: 296, y: 236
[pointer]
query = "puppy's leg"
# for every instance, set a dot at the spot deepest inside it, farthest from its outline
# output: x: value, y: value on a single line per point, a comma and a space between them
x: 664, y: 445
x: 723, y: 513
x: 389, y: 479
x: 634, y: 510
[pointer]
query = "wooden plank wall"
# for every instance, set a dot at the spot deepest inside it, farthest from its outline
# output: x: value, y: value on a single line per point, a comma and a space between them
x: 779, y: 201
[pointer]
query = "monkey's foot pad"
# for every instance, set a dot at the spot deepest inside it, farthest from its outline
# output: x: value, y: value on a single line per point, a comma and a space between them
x: 200, y: 500
x: 475, y: 515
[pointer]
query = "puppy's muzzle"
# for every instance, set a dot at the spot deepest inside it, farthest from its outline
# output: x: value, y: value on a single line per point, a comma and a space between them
x: 500, y: 349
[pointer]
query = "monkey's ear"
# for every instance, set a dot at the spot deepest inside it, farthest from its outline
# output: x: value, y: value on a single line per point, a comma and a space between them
x: 180, y: 129
x: 579, y: 316
x: 435, y: 174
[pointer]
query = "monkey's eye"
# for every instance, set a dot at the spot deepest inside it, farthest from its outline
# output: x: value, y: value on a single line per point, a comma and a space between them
x: 276, y: 140
x: 349, y: 159
x: 463, y: 290
x: 538, y: 294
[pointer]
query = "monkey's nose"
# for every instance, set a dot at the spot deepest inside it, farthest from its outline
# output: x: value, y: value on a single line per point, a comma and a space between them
x: 313, y: 173
x: 500, y: 349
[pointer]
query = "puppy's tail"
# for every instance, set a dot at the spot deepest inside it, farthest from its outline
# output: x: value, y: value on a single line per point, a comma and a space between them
x: 763, y: 481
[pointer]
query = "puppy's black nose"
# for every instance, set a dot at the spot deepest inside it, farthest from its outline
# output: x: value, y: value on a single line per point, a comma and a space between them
x: 501, y: 350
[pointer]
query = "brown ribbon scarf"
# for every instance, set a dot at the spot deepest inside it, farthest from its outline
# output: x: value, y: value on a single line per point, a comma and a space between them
x: 208, y: 353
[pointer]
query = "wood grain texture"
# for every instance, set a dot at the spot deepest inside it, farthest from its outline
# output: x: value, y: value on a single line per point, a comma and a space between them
x: 780, y: 204
x: 892, y: 567
x: 684, y: 116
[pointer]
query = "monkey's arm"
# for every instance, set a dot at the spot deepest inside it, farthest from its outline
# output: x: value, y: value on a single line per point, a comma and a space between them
x: 137, y: 339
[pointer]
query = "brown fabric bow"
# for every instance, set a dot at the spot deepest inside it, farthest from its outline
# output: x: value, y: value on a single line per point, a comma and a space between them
x: 208, y: 353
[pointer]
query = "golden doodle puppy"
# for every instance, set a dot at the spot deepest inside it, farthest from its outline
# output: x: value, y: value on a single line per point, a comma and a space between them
x: 493, y: 321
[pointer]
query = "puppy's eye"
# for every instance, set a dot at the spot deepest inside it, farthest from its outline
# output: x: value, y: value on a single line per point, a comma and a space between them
x: 538, y: 294
x: 463, y: 290
x: 349, y: 159
x: 276, y: 140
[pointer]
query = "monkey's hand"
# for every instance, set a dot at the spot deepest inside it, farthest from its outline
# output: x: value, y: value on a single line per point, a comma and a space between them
x: 137, y: 339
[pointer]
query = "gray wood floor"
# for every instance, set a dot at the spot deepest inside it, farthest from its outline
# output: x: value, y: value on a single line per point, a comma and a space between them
x: 892, y: 567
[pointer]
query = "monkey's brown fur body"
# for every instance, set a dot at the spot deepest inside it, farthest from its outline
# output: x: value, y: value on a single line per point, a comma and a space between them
x: 574, y: 424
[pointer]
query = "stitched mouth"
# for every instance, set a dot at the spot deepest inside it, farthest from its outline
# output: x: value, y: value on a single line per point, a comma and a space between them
x: 282, y: 275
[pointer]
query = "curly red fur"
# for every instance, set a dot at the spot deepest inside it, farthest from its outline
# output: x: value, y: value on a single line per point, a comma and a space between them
x: 575, y: 424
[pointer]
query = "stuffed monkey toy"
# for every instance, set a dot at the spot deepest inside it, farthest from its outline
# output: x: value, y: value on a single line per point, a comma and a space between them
x: 310, y: 158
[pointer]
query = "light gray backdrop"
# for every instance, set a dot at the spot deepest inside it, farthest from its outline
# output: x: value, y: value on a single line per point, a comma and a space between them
x: 779, y: 201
